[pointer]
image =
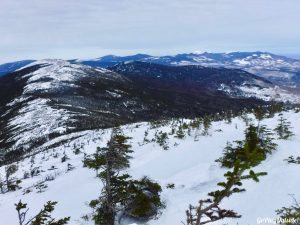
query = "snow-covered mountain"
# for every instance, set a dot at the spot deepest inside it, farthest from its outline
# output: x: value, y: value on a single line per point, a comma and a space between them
x: 234, y: 83
x: 189, y: 164
x: 278, y: 69
x: 49, y: 98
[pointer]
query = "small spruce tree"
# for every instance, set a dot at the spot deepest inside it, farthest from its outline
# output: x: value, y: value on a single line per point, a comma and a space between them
x: 258, y: 142
x: 209, y: 210
x: 180, y: 132
x: 283, y: 128
x: 206, y: 125
x: 161, y: 138
x: 110, y: 160
x: 12, y: 183
x: 259, y: 114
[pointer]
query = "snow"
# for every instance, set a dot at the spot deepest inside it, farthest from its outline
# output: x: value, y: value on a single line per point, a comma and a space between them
x: 114, y: 94
x: 258, y: 89
x: 241, y: 62
x: 37, y: 117
x: 189, y: 164
x: 279, y: 74
x: 265, y: 56
x: 54, y: 74
x: 269, y: 94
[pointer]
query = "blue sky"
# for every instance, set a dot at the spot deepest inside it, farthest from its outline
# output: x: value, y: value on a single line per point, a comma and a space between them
x: 92, y: 28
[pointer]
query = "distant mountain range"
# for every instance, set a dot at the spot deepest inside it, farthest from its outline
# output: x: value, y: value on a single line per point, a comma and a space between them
x: 278, y: 69
x: 11, y: 67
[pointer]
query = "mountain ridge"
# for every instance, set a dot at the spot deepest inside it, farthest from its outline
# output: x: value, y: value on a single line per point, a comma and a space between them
x: 50, y: 98
x: 278, y: 69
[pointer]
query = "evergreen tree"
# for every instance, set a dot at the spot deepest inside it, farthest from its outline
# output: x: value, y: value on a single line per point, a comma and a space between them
x: 41, y: 186
x: 206, y: 125
x: 248, y: 157
x: 180, y: 133
x: 65, y: 157
x: 266, y: 139
x: 275, y: 107
x: 143, y: 199
x: 146, y: 140
x: 290, y: 215
x: 120, y: 193
x: 1, y: 185
x: 259, y: 114
x: 110, y: 160
x: 258, y: 143
x: 12, y: 184
x: 42, y: 218
x: 195, y: 123
x: 283, y: 129
x: 161, y: 138
x: 94, y: 161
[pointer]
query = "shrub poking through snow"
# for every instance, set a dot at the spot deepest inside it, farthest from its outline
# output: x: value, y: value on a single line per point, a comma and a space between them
x: 143, y: 199
x: 290, y: 215
x: 291, y: 159
x: 161, y: 138
x: 65, y: 157
x: 44, y: 217
x: 180, y: 134
x: 41, y: 186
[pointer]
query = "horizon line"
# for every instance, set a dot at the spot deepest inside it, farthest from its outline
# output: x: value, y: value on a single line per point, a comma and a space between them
x: 288, y: 55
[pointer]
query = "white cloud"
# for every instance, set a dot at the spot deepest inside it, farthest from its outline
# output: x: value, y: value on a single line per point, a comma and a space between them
x: 90, y: 28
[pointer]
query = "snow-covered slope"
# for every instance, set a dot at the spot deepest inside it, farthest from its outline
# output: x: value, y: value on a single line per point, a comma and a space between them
x: 37, y: 118
x: 32, y: 115
x: 189, y: 164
